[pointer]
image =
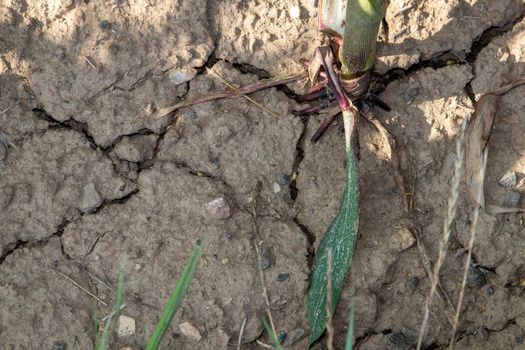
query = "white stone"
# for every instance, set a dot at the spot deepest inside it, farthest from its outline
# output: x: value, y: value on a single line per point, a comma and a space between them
x: 190, y: 331
x: 126, y: 326
x: 218, y: 208
x: 182, y: 75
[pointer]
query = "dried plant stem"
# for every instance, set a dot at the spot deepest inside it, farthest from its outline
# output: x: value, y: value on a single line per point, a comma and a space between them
x: 329, y: 303
x: 80, y: 287
x: 473, y: 229
x: 245, y: 96
x: 449, y: 217
x: 259, y: 258
x: 241, y: 333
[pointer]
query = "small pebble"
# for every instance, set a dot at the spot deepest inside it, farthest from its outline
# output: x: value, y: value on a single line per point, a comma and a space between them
x: 483, y: 333
x: 412, y: 282
x: 266, y: 261
x: 126, y: 326
x: 248, y: 236
x: 398, y: 341
x: 476, y: 277
x: 91, y: 199
x: 293, y: 337
x: 224, y: 261
x: 519, y: 339
x: 181, y: 76
x: 190, y: 331
x: 283, y: 180
x: 489, y: 290
x: 281, y: 336
x: 218, y: 208
x: 511, y: 199
x: 276, y: 187
x: 282, y: 277
x: 192, y: 115
x: 508, y: 180
x: 103, y: 24
x: 59, y: 345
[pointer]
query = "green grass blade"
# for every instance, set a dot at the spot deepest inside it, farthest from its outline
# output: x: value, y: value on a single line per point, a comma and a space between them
x: 351, y: 321
x: 340, y: 238
x: 103, y: 343
x: 175, y: 299
x: 272, y: 335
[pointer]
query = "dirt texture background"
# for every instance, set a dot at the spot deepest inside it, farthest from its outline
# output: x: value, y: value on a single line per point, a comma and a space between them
x: 86, y: 175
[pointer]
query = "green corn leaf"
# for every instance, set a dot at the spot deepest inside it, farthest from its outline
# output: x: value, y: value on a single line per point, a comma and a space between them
x: 175, y: 299
x: 340, y: 238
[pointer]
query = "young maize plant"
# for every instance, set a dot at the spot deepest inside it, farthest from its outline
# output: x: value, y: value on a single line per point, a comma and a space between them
x: 344, y: 67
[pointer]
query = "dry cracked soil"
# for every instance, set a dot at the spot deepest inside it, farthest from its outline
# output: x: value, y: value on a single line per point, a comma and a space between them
x: 86, y: 176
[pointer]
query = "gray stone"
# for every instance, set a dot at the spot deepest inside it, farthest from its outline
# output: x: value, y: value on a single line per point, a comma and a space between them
x: 183, y: 75
x: 91, y: 200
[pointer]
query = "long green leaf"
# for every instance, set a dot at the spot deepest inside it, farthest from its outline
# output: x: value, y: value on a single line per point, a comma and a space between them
x: 340, y: 238
x: 175, y: 299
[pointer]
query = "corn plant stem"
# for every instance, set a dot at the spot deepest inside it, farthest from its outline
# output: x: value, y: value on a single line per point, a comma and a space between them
x: 468, y: 260
x: 449, y: 217
x: 248, y: 89
x: 358, y: 52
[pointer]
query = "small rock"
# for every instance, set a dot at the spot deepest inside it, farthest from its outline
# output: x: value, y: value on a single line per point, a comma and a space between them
x: 276, y: 187
x: 91, y: 200
x: 59, y: 345
x: 476, y: 277
x: 218, y: 208
x: 104, y: 24
x: 283, y: 180
x: 489, y: 290
x: 519, y: 339
x: 293, y: 337
x: 224, y: 261
x: 511, y: 199
x: 192, y: 115
x: 398, y: 341
x: 281, y: 336
x: 406, y: 238
x: 126, y: 326
x: 508, y: 180
x: 483, y: 332
x: 181, y: 76
x: 283, y: 277
x: 266, y: 260
x: 190, y: 331
x: 412, y: 282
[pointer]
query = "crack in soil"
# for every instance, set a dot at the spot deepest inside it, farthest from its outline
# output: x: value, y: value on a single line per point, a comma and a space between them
x: 12, y: 247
